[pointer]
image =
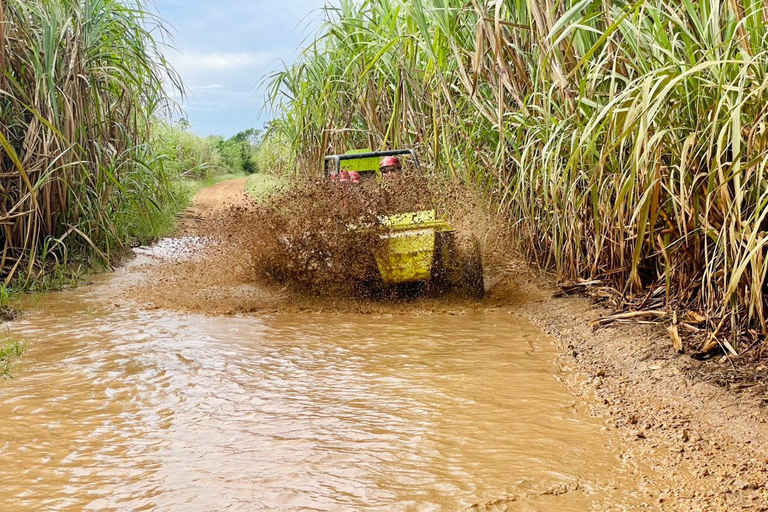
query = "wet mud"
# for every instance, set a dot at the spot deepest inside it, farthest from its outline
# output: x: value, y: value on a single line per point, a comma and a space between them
x: 703, y: 447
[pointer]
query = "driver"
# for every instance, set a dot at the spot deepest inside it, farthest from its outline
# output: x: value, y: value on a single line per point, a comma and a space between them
x: 390, y: 165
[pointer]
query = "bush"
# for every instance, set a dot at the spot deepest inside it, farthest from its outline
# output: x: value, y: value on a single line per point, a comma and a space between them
x: 239, y: 152
x: 274, y: 154
x: 186, y: 155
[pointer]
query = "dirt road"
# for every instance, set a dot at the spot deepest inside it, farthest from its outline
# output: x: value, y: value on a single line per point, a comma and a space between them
x: 689, y: 445
x: 220, y: 196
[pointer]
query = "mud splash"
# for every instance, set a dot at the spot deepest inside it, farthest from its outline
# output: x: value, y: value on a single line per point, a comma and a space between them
x: 296, y: 252
x: 320, y: 237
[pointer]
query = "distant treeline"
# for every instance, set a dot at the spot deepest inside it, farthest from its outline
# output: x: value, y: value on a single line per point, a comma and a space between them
x: 189, y: 155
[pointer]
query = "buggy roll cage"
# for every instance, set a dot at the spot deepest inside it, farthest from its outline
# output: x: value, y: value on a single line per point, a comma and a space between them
x: 336, y: 160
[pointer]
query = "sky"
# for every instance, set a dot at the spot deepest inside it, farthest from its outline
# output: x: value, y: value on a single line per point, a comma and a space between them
x: 224, y: 48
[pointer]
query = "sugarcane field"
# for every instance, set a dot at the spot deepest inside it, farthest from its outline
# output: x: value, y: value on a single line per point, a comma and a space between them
x: 384, y: 255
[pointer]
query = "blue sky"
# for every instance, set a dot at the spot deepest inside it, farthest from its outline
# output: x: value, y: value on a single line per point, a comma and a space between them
x: 223, y: 48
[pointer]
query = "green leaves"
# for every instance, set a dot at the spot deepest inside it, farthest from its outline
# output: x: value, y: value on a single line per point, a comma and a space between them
x: 83, y: 81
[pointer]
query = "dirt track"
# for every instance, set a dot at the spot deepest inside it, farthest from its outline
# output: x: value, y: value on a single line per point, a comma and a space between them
x: 693, y: 446
x: 696, y: 446
x: 221, y: 195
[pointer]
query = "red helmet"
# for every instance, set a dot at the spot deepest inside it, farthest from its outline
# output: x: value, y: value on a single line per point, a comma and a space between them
x: 390, y: 161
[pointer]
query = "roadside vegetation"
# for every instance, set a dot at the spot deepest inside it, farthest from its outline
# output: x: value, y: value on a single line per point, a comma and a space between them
x: 83, y: 84
x: 239, y: 152
x: 626, y: 142
x: 185, y: 155
x: 11, y: 351
x: 274, y: 155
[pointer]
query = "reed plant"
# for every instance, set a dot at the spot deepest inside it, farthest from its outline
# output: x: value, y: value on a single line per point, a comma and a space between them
x: 626, y: 141
x: 81, y: 83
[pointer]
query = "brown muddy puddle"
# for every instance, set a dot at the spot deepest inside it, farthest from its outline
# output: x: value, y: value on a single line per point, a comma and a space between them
x: 122, y: 408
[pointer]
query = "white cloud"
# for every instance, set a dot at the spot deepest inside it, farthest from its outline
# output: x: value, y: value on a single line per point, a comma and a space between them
x: 208, y: 87
x: 193, y: 62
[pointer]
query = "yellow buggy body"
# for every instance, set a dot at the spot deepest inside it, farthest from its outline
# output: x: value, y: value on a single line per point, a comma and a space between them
x: 409, y: 252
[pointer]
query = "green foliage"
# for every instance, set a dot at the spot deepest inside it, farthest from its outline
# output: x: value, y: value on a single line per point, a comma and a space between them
x: 627, y: 141
x: 185, y: 155
x: 274, y: 154
x: 5, y: 297
x: 239, y: 152
x: 10, y: 351
x: 82, y: 83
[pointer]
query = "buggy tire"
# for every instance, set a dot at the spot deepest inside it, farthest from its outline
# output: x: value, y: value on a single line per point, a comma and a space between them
x: 472, y: 280
x: 445, y: 272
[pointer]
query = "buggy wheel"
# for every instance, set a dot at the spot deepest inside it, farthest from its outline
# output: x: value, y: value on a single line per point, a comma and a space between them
x: 472, y: 271
x: 445, y: 271
x: 409, y: 291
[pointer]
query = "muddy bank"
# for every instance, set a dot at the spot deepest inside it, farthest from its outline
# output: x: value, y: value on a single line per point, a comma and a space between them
x: 706, y: 447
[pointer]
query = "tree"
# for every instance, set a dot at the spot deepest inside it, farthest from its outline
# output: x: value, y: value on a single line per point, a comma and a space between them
x: 239, y: 151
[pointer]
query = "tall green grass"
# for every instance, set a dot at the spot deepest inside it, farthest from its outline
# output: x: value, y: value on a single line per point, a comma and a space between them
x: 185, y: 155
x: 627, y: 141
x: 11, y: 351
x: 81, y: 85
x: 274, y: 155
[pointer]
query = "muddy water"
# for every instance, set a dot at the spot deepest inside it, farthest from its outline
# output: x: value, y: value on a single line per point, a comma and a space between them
x: 122, y: 408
